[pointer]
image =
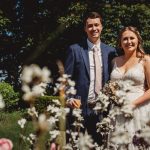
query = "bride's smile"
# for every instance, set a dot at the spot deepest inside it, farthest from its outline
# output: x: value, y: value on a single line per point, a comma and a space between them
x: 129, y: 41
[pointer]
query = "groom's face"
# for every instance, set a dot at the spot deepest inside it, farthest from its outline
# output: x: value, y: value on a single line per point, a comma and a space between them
x: 93, y: 28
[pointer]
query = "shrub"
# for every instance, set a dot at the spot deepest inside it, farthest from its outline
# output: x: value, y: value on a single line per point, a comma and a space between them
x: 44, y: 101
x: 10, y: 97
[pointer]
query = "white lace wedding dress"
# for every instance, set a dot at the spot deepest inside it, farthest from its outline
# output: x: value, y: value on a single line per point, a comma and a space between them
x: 136, y: 74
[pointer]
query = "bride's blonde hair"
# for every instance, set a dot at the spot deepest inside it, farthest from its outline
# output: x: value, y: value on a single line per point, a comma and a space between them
x: 140, y: 41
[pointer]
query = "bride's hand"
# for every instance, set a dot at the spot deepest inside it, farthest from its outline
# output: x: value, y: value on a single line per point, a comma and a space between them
x: 133, y: 105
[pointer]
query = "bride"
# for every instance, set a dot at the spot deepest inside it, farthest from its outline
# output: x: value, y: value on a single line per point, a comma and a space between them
x: 133, y: 65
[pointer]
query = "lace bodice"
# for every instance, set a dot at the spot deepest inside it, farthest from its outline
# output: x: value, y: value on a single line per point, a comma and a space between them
x: 135, y: 74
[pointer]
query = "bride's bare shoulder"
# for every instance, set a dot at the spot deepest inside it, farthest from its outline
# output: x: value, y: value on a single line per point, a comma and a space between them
x: 117, y: 60
x: 146, y: 57
x: 147, y: 60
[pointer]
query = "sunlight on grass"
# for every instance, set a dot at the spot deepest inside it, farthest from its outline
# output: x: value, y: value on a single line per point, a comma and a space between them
x: 10, y: 129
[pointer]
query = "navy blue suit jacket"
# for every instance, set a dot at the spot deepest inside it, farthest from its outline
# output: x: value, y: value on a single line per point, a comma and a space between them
x: 77, y: 65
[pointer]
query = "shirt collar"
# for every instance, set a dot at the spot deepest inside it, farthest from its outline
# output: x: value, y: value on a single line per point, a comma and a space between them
x: 91, y: 45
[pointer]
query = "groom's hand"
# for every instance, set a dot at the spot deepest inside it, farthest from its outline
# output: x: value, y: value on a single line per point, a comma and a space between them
x: 73, y: 103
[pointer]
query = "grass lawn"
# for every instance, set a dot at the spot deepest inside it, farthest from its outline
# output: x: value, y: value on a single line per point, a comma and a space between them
x: 10, y: 129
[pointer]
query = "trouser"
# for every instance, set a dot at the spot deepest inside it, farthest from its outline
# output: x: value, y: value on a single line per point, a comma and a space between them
x: 90, y: 126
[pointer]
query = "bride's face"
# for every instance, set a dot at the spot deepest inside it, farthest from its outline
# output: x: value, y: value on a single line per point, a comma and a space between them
x: 129, y: 41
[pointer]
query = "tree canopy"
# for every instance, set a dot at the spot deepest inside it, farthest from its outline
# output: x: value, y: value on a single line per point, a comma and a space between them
x: 39, y: 31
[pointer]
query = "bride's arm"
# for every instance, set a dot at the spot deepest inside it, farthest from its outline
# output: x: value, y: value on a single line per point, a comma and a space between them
x: 146, y: 96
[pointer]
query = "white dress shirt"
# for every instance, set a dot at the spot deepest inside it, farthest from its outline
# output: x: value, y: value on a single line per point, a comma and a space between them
x: 92, y: 94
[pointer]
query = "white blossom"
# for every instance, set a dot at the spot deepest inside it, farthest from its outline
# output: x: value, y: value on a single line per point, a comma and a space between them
x: 39, y: 89
x: 2, y: 103
x: 32, y: 111
x: 31, y: 138
x: 56, y: 102
x: 145, y: 134
x: 66, y: 76
x: 25, y: 88
x: 26, y: 75
x: 119, y: 136
x: 85, y: 142
x: 34, y: 82
x: 52, y: 121
x: 61, y: 79
x: 43, y: 123
x: 45, y: 75
x: 71, y: 83
x: 77, y: 113
x: 32, y: 93
x: 22, y: 122
x: 71, y: 90
x: 29, y: 96
x: 54, y: 134
x: 127, y: 110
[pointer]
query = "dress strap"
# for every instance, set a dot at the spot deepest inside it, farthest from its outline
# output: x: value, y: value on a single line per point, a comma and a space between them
x: 114, y: 65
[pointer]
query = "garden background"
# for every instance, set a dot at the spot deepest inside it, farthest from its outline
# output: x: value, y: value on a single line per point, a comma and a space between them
x: 39, y: 32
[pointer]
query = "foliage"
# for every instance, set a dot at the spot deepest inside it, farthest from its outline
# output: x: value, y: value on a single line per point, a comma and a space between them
x: 44, y: 101
x: 10, y: 97
x: 35, y: 32
x: 76, y: 11
x: 120, y: 15
x: 49, y: 125
x: 3, y: 20
x: 12, y: 130
x: 50, y: 122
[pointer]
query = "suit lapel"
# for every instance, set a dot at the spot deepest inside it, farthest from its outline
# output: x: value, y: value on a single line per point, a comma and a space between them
x: 104, y: 62
x: 103, y: 54
x: 85, y: 55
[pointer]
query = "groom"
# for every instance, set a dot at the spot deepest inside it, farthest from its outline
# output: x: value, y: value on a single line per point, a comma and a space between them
x: 90, y: 69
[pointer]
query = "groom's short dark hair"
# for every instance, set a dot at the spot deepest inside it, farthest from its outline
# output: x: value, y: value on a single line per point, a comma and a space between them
x: 91, y: 15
